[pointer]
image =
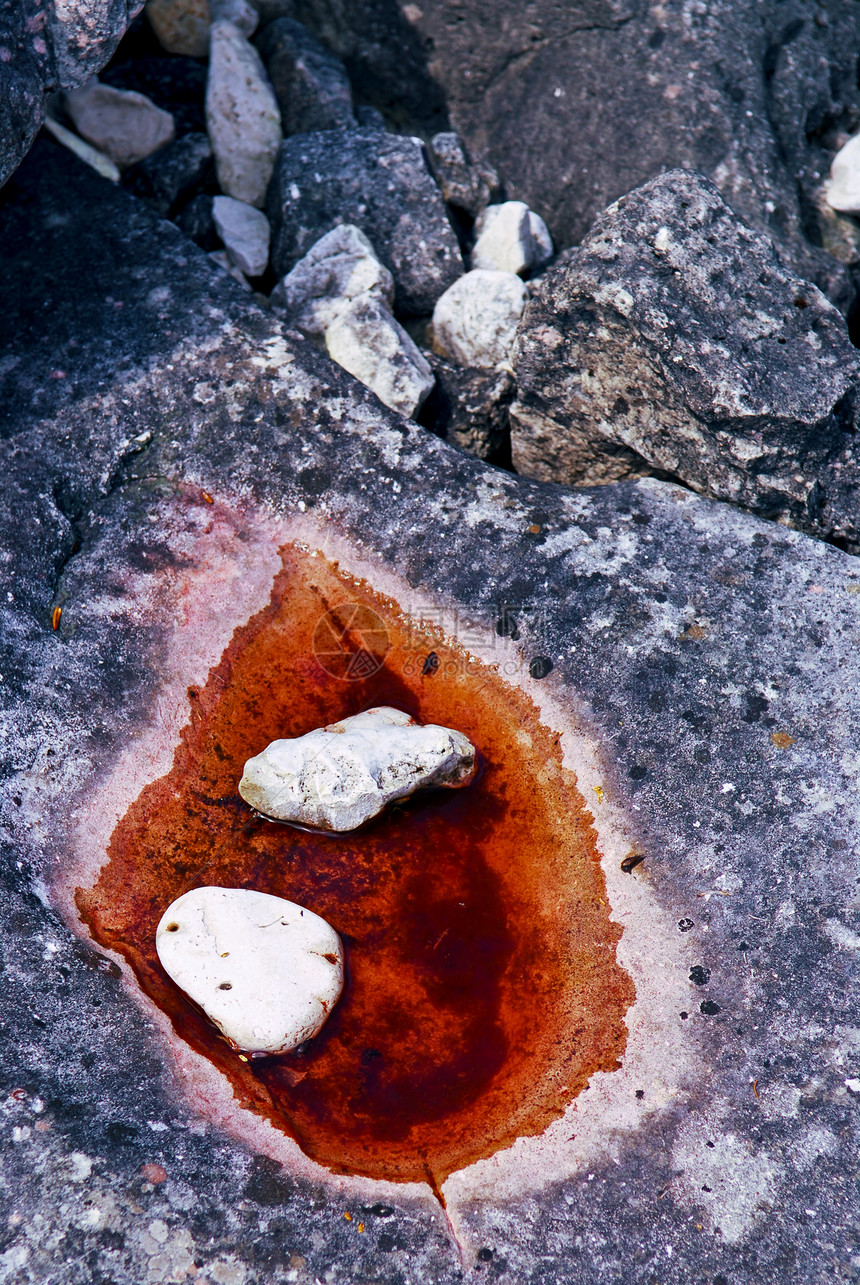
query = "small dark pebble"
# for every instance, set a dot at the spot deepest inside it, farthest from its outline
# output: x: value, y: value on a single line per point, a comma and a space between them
x: 431, y: 664
x: 684, y: 925
x: 700, y: 975
x: 629, y: 864
x: 540, y: 666
x: 709, y: 1008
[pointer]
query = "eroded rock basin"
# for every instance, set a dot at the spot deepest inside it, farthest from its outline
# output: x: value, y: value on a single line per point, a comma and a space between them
x: 482, y: 988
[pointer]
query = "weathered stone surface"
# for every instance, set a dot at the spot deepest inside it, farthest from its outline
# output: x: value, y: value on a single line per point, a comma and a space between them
x: 675, y: 331
x: 173, y: 175
x: 577, y: 103
x: 464, y: 184
x: 311, y: 84
x: 124, y: 125
x: 265, y: 971
x: 245, y: 233
x: 196, y: 221
x: 380, y: 183
x: 241, y: 13
x: 342, y: 266
x: 843, y: 189
x: 177, y: 85
x: 704, y: 670
x: 242, y: 116
x: 182, y: 26
x: 503, y: 238
x: 366, y: 340
x: 338, y: 777
x: 475, y: 321
x: 470, y: 408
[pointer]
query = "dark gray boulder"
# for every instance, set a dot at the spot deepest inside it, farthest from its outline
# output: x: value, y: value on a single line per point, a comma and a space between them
x: 701, y: 665
x: 48, y: 47
x: 172, y: 176
x: 380, y: 183
x: 576, y: 103
x: 311, y: 84
x: 675, y: 332
x: 469, y: 408
x: 465, y: 184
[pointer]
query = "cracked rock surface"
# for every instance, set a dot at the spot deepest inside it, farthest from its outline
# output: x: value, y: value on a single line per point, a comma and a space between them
x: 709, y: 658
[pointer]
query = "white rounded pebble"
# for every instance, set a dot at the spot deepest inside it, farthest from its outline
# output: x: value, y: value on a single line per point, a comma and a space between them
x: 265, y: 971
x: 504, y: 238
x: 541, y: 240
x: 242, y: 116
x: 843, y: 190
x: 123, y: 124
x: 245, y: 233
x: 338, y: 777
x: 475, y: 321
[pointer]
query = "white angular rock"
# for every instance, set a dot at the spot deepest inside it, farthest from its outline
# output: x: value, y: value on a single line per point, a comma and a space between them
x: 541, y: 240
x: 123, y: 124
x: 340, y: 267
x: 265, y: 971
x: 241, y: 13
x: 338, y: 777
x: 475, y: 321
x: 181, y: 26
x: 242, y: 116
x: 366, y: 340
x: 504, y: 239
x: 245, y: 233
x: 843, y: 190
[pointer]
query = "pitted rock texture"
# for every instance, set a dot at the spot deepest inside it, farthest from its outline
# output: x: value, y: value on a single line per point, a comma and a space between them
x: 675, y: 332
x: 710, y: 655
x: 751, y: 93
x: 378, y: 182
x: 470, y: 408
x: 311, y: 85
x: 338, y: 777
x: 43, y: 49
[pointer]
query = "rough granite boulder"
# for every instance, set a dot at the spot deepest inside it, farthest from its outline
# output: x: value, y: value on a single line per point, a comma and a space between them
x: 674, y: 331
x: 311, y: 85
x: 690, y: 669
x: 46, y: 48
x: 380, y: 183
x: 576, y: 103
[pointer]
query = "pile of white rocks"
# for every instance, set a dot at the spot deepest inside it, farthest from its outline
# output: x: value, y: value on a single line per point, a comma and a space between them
x: 358, y: 235
x: 265, y: 971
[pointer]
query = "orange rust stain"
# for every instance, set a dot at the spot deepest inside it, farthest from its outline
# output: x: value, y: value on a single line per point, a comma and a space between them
x: 56, y: 616
x: 781, y: 740
x: 482, y: 987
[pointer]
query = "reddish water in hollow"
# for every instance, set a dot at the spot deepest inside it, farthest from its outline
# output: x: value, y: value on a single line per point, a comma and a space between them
x: 482, y: 986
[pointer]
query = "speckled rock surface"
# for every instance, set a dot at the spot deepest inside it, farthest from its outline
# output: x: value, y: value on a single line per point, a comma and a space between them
x: 380, y: 183
x: 674, y: 332
x: 704, y: 661
x: 750, y: 93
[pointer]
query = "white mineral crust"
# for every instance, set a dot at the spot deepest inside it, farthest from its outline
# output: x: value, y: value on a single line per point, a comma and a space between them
x: 843, y: 190
x: 265, y: 971
x: 337, y: 777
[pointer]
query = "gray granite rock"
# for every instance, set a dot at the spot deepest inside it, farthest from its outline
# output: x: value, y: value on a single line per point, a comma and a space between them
x: 380, y: 183
x: 707, y: 658
x: 311, y: 84
x: 577, y: 103
x: 470, y: 408
x: 466, y: 185
x: 340, y: 267
x: 674, y: 331
x: 365, y: 339
x: 173, y: 175
x: 48, y: 47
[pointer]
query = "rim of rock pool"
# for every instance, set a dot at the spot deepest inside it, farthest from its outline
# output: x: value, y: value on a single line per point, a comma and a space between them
x: 516, y: 1110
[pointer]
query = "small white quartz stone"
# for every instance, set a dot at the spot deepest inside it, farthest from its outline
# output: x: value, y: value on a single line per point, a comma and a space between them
x: 338, y: 777
x: 843, y: 190
x: 366, y: 340
x: 242, y: 115
x: 245, y: 233
x: 265, y: 971
x: 504, y: 238
x: 340, y: 267
x: 475, y: 321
